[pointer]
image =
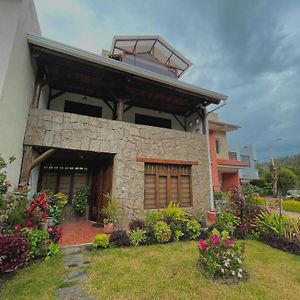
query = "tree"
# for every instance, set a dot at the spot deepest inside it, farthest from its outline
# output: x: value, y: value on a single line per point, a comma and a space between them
x: 287, y: 179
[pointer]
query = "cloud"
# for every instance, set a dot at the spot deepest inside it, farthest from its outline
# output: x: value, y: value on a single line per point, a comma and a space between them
x: 248, y: 50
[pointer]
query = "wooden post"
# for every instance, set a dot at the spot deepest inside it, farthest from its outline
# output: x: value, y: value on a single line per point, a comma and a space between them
x: 36, y: 93
x: 120, y: 110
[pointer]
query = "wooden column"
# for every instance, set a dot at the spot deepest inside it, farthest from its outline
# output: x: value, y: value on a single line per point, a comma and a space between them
x: 120, y: 110
x: 37, y: 90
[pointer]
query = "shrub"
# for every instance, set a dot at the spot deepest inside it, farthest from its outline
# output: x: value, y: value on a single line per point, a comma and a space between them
x: 136, y: 224
x: 291, y: 205
x: 227, y: 221
x: 137, y: 237
x: 152, y: 217
x: 39, y: 242
x: 119, y: 238
x: 101, y: 241
x: 57, y: 202
x: 18, y: 215
x: 178, y: 234
x: 80, y: 201
x: 248, y: 190
x: 257, y: 200
x: 38, y: 210
x: 193, y: 229
x: 110, y: 211
x: 55, y: 233
x: 52, y: 250
x: 162, y: 232
x: 220, y: 257
x: 173, y: 212
x: 14, y: 251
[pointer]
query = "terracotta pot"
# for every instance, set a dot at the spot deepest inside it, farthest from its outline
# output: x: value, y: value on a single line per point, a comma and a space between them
x: 212, y: 217
x: 109, y: 227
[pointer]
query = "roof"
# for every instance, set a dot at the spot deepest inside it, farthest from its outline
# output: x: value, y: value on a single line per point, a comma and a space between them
x: 221, y: 126
x: 210, y: 96
x: 154, y: 45
x: 232, y: 163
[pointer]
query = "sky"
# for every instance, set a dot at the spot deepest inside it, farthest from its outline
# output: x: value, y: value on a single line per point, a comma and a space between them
x: 247, y: 50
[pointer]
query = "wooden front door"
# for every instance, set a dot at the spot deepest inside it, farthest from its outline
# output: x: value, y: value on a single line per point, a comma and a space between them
x: 101, y: 185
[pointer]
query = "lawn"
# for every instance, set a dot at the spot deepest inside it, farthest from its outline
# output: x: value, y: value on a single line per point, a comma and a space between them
x: 169, y: 272
x: 38, y: 281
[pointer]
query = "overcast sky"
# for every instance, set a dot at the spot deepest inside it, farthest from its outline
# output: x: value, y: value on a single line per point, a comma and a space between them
x: 248, y: 50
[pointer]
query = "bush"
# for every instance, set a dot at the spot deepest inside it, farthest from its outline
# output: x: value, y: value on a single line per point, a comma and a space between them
x: 14, y: 251
x: 101, y: 241
x: 291, y: 205
x: 152, y: 217
x: 287, y: 179
x: 173, y: 213
x: 227, y: 221
x: 119, y: 238
x: 162, y: 232
x: 193, y: 229
x: 248, y: 190
x: 221, y: 258
x: 136, y: 224
x: 80, y: 201
x: 137, y: 237
x: 39, y: 242
x: 257, y: 200
x: 57, y: 202
x: 52, y: 250
x: 19, y: 214
x: 55, y: 234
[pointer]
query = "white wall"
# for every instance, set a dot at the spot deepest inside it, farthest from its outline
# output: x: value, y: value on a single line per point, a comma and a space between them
x: 17, y: 18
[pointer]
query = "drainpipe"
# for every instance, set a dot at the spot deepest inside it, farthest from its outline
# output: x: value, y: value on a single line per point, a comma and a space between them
x: 208, y: 148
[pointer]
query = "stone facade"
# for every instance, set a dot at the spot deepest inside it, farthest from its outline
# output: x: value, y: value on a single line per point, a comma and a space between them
x: 127, y: 141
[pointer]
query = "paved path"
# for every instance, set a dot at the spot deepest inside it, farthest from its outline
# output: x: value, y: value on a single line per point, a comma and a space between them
x: 72, y: 288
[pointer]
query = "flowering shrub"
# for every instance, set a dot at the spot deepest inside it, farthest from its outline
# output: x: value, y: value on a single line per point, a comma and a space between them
x: 38, y: 210
x: 56, y: 204
x: 14, y: 251
x: 162, y: 232
x: 220, y: 257
x: 136, y: 224
x: 55, y: 233
x: 80, y: 201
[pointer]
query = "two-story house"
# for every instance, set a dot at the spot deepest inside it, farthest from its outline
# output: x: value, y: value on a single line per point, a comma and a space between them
x: 122, y: 122
x: 224, y: 166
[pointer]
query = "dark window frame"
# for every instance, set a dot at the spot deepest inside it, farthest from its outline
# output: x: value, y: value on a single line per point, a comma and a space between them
x: 218, y: 145
x: 153, y: 121
x: 79, y: 107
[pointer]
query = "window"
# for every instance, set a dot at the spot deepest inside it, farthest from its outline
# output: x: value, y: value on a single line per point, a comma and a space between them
x: 165, y: 183
x: 217, y: 146
x: 246, y: 159
x: 232, y: 155
x: 83, y: 109
x: 65, y: 179
x: 152, y: 121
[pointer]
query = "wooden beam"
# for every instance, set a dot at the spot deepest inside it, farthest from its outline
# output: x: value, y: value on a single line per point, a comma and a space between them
x: 183, y: 126
x: 42, y: 157
x: 36, y: 93
x: 120, y: 110
x: 128, y: 107
x: 57, y: 94
x: 166, y: 161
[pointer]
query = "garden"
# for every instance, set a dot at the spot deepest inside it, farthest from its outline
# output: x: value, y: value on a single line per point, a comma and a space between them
x: 162, y: 254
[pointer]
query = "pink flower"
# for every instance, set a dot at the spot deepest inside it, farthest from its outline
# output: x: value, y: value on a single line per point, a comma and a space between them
x: 216, y: 240
x: 203, y: 245
x: 17, y: 228
x: 231, y: 242
x: 44, y: 216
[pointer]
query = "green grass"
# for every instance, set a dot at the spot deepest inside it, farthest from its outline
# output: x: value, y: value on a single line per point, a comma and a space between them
x: 169, y: 272
x: 291, y: 205
x: 38, y: 281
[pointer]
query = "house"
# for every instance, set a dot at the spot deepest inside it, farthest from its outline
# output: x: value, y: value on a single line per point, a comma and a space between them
x: 225, y: 167
x: 245, y: 154
x: 122, y: 122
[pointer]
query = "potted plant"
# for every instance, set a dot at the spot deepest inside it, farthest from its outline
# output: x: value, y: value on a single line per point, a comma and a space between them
x: 80, y: 201
x: 57, y: 202
x: 110, y: 213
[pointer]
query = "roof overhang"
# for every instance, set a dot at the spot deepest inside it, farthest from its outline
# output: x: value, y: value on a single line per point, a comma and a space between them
x: 91, y: 74
x: 154, y: 45
x: 221, y: 126
x: 231, y: 164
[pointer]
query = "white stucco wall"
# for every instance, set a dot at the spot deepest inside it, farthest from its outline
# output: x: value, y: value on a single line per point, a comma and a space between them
x: 17, y: 18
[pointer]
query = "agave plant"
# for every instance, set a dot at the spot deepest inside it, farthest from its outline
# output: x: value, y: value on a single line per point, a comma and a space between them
x: 271, y: 223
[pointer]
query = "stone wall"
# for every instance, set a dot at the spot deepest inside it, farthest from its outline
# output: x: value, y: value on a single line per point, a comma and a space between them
x: 127, y: 141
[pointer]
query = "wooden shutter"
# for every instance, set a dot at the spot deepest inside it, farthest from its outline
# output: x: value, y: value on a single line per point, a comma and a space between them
x: 149, y: 191
x: 185, y: 191
x: 163, y: 192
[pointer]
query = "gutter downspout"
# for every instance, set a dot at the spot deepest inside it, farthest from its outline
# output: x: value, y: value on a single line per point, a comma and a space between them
x: 208, y: 148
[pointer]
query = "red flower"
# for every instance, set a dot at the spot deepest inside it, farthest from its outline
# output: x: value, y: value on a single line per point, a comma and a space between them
x: 28, y: 223
x: 216, y: 240
x: 44, y: 216
x: 17, y: 228
x: 203, y: 245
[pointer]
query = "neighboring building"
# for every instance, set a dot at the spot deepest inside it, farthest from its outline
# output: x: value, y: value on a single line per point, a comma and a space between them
x: 245, y: 154
x: 224, y: 167
x: 123, y: 124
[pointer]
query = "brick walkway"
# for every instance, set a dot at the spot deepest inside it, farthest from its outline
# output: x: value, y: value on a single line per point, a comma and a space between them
x: 79, y: 233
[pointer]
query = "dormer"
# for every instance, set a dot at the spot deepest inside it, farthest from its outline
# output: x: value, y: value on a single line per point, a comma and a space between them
x: 150, y: 53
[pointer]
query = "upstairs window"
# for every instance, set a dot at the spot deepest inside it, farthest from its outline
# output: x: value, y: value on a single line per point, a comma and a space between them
x: 167, y: 183
x: 83, y: 109
x: 152, y: 121
x: 217, y: 146
x: 246, y: 159
x: 232, y: 155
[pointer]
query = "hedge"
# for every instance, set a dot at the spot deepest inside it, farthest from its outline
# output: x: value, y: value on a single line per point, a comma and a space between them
x: 291, y: 205
x: 257, y: 200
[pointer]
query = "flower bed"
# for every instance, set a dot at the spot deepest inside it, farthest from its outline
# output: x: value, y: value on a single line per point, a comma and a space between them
x: 220, y: 258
